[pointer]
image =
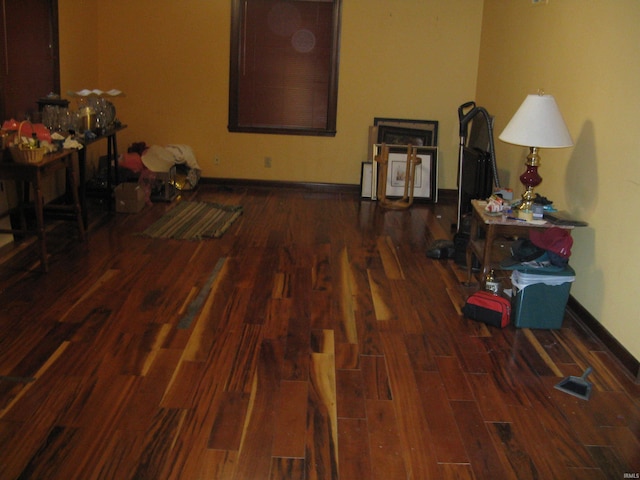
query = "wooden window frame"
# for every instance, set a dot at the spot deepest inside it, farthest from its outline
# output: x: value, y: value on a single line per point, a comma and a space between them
x: 43, y: 61
x: 236, y: 62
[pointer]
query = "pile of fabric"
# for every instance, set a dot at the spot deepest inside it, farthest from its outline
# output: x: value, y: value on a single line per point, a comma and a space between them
x: 155, y: 161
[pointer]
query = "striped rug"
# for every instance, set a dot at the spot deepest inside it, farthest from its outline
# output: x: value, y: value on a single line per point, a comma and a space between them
x: 194, y: 221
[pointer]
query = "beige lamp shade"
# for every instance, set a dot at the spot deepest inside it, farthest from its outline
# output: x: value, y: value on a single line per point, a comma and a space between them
x: 538, y: 123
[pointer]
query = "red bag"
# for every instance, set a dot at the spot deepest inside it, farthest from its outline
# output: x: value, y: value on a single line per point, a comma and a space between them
x: 488, y: 308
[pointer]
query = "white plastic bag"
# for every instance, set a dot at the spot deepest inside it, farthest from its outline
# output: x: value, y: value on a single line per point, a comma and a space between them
x: 521, y: 280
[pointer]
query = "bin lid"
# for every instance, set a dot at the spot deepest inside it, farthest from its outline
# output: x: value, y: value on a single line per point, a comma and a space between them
x: 541, y: 265
x: 563, y: 272
x: 522, y: 279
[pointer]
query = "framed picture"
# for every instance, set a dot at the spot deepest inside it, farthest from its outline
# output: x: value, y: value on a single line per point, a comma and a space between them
x: 398, y: 131
x: 366, y: 175
x: 404, y: 136
x: 426, y: 175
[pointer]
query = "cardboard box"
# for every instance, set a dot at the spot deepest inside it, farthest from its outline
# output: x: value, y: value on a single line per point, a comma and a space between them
x: 129, y: 198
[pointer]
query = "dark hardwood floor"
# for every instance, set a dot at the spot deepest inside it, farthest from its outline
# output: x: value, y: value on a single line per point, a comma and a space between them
x: 326, y: 345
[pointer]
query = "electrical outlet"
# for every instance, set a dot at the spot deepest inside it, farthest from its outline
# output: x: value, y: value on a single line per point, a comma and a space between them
x: 267, y: 162
x: 539, y: 2
x: 216, y: 160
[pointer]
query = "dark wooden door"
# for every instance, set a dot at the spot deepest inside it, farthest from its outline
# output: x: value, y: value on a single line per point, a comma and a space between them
x: 29, y: 67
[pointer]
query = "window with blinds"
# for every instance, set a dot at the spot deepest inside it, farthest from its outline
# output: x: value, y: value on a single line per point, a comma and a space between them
x: 284, y: 66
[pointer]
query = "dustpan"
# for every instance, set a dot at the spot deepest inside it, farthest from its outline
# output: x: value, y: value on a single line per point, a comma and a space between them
x: 577, y: 386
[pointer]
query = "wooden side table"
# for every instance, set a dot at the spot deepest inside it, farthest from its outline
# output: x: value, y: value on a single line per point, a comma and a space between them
x: 487, y: 229
x: 25, y: 174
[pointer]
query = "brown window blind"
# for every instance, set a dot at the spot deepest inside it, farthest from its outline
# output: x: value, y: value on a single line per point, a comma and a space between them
x: 284, y: 66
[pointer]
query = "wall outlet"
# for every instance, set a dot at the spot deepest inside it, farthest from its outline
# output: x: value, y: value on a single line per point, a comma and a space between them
x: 267, y: 162
x: 216, y: 160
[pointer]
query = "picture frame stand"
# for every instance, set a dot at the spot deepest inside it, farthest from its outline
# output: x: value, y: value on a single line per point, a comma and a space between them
x: 413, y: 160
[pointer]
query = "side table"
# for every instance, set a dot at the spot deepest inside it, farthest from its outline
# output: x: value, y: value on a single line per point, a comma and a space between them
x: 487, y: 229
x: 33, y: 173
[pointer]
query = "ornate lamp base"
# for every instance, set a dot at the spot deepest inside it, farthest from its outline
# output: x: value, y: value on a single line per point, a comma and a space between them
x: 530, y: 179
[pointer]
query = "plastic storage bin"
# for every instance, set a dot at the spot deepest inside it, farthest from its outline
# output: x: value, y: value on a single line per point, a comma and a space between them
x: 539, y: 299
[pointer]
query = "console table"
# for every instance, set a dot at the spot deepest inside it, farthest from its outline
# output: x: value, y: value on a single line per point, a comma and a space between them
x: 487, y: 229
x: 34, y: 173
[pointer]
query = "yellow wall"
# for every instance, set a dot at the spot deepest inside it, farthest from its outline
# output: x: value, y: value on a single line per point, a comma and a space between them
x: 79, y: 56
x: 586, y: 54
x: 406, y: 59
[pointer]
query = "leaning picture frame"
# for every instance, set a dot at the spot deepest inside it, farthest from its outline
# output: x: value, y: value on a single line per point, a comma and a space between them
x: 398, y: 131
x: 366, y: 183
x: 426, y: 173
x: 404, y: 136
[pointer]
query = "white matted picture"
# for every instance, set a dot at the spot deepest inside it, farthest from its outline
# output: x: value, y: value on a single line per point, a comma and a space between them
x: 426, y: 175
x: 366, y: 174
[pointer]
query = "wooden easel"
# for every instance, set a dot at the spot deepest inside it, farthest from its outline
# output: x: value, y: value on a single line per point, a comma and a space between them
x: 409, y: 179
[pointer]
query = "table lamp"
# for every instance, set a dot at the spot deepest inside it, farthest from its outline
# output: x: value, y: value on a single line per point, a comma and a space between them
x: 537, y: 124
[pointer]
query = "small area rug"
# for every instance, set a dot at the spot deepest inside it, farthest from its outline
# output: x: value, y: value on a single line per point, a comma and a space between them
x: 194, y: 221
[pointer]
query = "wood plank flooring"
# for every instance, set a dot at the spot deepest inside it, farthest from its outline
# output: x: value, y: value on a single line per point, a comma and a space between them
x: 314, y: 340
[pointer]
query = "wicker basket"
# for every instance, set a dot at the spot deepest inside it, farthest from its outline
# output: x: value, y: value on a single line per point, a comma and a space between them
x: 25, y: 153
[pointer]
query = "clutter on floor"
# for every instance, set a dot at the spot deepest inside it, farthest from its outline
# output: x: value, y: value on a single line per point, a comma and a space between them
x: 162, y: 171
